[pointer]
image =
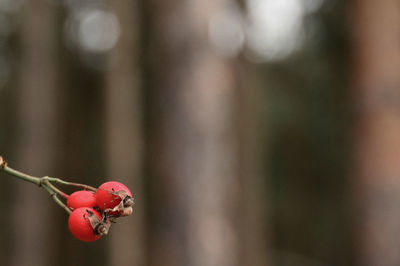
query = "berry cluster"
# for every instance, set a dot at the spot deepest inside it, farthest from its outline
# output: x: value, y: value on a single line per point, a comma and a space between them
x: 91, y: 211
x: 94, y: 212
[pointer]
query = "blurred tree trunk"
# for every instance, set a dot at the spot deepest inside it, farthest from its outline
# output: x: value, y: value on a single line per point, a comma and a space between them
x: 377, y: 135
x: 36, y: 129
x: 253, y: 201
x: 123, y: 134
x: 193, y: 162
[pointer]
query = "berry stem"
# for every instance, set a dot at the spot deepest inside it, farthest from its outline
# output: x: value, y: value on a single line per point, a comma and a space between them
x: 53, y: 194
x: 23, y: 176
x: 58, y: 191
x: 43, y: 182
x: 66, y: 183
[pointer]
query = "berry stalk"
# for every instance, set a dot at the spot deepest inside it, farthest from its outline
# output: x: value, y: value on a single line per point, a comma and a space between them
x: 53, y: 195
x: 72, y: 184
x: 43, y: 182
x: 58, y: 191
x: 23, y: 176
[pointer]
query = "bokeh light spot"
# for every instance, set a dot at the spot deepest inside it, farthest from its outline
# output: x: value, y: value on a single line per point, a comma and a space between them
x: 226, y: 32
x: 98, y: 31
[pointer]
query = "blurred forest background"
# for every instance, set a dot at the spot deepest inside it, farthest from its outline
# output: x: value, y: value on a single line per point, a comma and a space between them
x: 251, y: 132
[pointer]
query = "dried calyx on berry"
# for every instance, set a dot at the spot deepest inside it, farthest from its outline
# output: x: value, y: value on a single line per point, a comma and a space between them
x: 124, y: 207
x: 128, y: 201
x: 115, y: 199
x: 100, y: 226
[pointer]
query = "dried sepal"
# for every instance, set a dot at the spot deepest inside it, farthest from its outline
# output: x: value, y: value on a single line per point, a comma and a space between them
x: 103, y: 227
x: 124, y: 207
x: 128, y: 201
x: 127, y: 211
x: 100, y: 226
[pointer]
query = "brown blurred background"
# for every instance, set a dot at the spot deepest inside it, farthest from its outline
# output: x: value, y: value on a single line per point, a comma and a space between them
x: 251, y: 132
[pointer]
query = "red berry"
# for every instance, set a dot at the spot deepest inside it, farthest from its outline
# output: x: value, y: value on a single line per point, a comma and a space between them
x: 110, y: 194
x: 81, y: 198
x: 82, y: 223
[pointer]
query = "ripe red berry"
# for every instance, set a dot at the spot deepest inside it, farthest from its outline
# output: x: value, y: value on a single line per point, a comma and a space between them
x: 83, y: 222
x: 114, y: 196
x: 81, y: 198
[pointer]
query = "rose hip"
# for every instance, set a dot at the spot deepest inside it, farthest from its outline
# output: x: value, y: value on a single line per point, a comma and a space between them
x: 115, y: 198
x: 83, y: 223
x: 81, y: 198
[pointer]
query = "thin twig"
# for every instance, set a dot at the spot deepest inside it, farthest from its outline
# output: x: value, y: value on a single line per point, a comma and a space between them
x: 53, y: 194
x: 23, y: 176
x: 43, y: 182
x: 66, y: 183
x: 58, y: 191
